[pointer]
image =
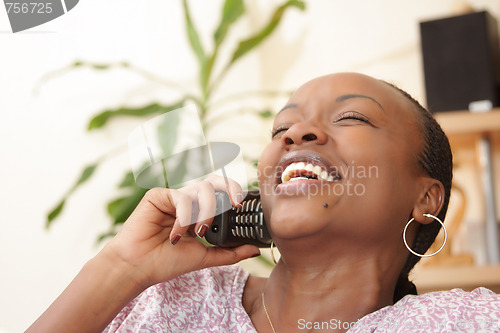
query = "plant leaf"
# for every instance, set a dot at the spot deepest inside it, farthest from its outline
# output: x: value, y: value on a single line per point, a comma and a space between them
x: 54, y: 213
x: 79, y: 63
x: 231, y: 12
x: 265, y: 261
x: 121, y: 208
x: 86, y: 174
x: 194, y: 38
x: 168, y: 133
x: 116, y: 208
x: 101, y: 119
x: 246, y: 45
x: 266, y: 114
x: 206, y: 71
x: 128, y: 180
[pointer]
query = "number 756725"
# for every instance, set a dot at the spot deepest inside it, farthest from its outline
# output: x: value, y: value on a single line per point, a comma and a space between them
x: 32, y: 7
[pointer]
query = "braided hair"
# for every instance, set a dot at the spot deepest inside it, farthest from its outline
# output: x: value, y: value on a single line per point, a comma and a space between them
x: 436, y: 161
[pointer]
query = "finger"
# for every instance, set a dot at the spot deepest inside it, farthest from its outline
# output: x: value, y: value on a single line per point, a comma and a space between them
x: 228, y: 185
x: 207, y: 207
x: 157, y: 199
x: 218, y: 256
x: 183, y: 208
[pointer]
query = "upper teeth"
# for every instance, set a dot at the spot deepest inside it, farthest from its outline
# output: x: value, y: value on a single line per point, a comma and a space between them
x: 293, y: 171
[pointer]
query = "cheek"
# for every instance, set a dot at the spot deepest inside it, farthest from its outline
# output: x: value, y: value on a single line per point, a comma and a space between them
x: 378, y: 168
x: 362, y: 155
x: 383, y: 184
x: 267, y: 162
x: 389, y: 152
x: 265, y: 177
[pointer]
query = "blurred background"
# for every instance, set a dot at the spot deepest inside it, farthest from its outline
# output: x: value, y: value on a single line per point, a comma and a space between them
x: 45, y: 109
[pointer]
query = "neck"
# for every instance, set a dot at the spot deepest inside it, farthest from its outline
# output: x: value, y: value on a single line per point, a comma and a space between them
x: 316, y: 286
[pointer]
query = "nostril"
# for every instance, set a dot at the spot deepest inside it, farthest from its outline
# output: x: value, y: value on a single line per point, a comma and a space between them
x: 309, y: 137
x: 288, y: 141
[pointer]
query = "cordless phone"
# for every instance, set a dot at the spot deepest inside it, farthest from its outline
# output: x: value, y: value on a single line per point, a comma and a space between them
x: 234, y: 226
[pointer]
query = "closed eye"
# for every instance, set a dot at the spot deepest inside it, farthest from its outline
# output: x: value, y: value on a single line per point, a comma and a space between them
x: 278, y: 130
x: 352, y: 115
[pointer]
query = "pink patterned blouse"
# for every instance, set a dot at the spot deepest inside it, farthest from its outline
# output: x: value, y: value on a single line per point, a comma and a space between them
x: 209, y: 300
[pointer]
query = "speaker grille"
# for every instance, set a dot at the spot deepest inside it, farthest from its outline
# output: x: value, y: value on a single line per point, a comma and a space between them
x: 461, y: 61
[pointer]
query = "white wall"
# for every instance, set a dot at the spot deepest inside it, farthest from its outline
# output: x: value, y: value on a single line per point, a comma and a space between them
x: 43, y: 142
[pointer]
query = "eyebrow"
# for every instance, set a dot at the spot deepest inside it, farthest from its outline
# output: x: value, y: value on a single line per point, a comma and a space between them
x: 288, y: 106
x: 349, y: 96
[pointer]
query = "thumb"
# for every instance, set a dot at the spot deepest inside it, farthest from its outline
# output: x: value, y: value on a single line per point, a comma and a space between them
x: 219, y: 256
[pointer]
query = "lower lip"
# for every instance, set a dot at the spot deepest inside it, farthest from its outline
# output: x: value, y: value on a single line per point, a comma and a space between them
x: 301, y: 187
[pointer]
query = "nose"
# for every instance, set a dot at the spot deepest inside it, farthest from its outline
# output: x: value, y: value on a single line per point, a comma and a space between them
x: 301, y: 133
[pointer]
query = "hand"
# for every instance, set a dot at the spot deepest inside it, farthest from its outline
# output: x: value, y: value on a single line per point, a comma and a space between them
x: 158, y: 241
x: 155, y: 244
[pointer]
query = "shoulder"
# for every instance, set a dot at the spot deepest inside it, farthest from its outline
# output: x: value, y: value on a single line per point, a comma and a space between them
x: 219, y: 280
x: 436, y: 311
x: 480, y: 300
x: 222, y: 281
x: 180, y: 303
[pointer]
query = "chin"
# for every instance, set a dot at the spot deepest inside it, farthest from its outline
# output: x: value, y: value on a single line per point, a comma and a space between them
x: 297, y: 217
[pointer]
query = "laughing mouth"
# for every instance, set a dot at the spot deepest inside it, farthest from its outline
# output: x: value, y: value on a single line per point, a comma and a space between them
x: 307, y: 168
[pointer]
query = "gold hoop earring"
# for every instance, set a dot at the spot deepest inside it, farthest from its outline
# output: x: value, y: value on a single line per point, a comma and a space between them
x: 272, y: 253
x: 425, y: 255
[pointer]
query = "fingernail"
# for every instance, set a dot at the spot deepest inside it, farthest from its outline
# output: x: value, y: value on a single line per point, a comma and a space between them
x: 175, y: 239
x: 239, y: 198
x: 202, y: 230
x: 255, y: 255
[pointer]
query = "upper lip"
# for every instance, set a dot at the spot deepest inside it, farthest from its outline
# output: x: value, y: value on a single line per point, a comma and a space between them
x: 307, y: 157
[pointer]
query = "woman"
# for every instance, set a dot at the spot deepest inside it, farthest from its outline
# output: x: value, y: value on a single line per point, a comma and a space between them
x: 378, y: 160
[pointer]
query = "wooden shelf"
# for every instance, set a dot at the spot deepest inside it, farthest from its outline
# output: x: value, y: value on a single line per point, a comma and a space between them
x: 466, y: 122
x: 464, y: 128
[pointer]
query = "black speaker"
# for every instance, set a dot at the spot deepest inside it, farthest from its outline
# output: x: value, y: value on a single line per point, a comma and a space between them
x: 461, y: 58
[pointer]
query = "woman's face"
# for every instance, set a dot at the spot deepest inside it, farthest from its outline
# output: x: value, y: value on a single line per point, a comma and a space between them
x: 342, y: 161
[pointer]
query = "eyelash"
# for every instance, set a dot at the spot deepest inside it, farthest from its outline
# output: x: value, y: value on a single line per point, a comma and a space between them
x: 346, y: 115
x: 278, y: 130
x: 352, y: 115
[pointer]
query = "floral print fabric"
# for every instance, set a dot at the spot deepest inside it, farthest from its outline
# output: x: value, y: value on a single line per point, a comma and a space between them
x: 209, y: 300
x: 203, y: 301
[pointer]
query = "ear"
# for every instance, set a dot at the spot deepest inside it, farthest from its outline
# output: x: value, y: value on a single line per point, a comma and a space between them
x: 430, y: 200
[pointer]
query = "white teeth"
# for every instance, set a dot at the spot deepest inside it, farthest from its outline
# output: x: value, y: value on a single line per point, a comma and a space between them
x: 295, y: 168
x: 297, y: 178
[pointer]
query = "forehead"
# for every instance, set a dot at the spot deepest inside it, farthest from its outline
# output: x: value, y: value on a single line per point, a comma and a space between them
x: 399, y: 116
x: 328, y: 89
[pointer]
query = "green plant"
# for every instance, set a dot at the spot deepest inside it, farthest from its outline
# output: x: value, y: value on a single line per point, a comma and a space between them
x: 208, y: 82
